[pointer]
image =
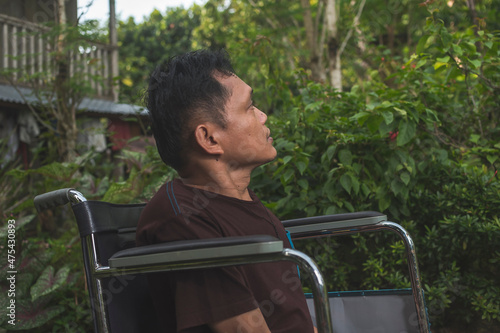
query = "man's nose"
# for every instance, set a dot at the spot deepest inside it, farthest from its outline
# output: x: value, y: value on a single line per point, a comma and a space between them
x: 263, y: 117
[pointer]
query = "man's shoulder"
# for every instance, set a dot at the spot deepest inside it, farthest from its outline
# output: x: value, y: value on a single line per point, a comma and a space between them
x: 168, y: 199
x: 175, y: 212
x: 159, y: 212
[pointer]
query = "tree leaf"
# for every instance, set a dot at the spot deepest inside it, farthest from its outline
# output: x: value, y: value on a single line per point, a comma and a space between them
x: 373, y: 123
x: 396, y: 186
x: 345, y: 157
x: 444, y: 59
x: 458, y: 50
x: 303, y: 183
x: 48, y: 282
x: 384, y: 203
x: 420, y: 63
x: 331, y: 151
x: 349, y: 206
x: 288, y: 174
x: 355, y: 184
x: 388, y: 117
x: 32, y: 317
x: 405, y: 177
x: 346, y: 183
x: 407, y: 130
x: 301, y: 166
x: 421, y: 44
x: 401, y: 111
x: 19, y: 224
x: 476, y: 63
x: 365, y: 189
x: 361, y: 117
x: 492, y: 158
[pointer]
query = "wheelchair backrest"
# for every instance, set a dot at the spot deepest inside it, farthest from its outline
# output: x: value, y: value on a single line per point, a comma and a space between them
x: 104, y: 230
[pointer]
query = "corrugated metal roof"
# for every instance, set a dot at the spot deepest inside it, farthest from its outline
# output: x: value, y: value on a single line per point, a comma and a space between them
x: 10, y: 94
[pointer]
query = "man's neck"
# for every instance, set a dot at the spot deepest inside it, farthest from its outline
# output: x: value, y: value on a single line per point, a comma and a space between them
x: 220, y: 179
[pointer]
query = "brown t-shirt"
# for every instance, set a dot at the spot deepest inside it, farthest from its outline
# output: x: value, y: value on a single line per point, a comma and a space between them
x: 188, y: 300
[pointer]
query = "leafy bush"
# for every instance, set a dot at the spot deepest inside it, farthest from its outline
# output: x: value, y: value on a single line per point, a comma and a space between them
x: 460, y: 245
x: 49, y: 282
x: 420, y: 146
x: 51, y: 294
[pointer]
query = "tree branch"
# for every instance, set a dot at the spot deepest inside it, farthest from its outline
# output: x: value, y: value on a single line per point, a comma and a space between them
x: 318, y: 16
x: 269, y: 21
x: 355, y: 23
x: 323, y: 37
x: 308, y: 23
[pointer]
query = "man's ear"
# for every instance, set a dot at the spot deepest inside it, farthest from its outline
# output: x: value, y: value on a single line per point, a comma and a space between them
x: 206, y: 137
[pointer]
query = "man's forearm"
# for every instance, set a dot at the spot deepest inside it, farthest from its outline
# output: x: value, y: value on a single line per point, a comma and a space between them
x: 251, y: 321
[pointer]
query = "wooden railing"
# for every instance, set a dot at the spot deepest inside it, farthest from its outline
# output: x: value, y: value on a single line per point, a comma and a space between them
x: 28, y: 51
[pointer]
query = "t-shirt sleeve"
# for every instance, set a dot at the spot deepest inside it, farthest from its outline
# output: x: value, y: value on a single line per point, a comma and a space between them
x: 207, y: 295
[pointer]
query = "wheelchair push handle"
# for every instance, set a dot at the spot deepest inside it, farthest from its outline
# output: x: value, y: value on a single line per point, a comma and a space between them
x: 57, y: 198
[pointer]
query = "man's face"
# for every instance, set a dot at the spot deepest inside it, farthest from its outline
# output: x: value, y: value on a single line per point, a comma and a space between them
x: 246, y: 140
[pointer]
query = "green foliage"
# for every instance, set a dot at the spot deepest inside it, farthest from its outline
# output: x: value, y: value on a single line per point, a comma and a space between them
x: 461, y: 243
x: 41, y: 288
x: 144, y: 45
x: 415, y: 136
x: 48, y: 282
x: 421, y: 145
x: 51, y: 294
x: 146, y: 173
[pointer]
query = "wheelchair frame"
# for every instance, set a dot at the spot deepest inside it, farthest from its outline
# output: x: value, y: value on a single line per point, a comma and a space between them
x: 231, y: 251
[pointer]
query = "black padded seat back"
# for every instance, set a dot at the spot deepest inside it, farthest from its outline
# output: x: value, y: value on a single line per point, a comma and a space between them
x: 112, y: 225
x: 127, y: 297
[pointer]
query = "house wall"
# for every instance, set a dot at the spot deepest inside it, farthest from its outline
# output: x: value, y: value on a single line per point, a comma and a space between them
x: 25, y: 47
x: 38, y: 11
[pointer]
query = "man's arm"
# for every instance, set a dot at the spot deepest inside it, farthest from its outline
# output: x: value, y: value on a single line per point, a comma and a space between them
x: 251, y: 321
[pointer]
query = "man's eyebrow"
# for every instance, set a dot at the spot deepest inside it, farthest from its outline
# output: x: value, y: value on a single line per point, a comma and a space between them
x: 251, y: 95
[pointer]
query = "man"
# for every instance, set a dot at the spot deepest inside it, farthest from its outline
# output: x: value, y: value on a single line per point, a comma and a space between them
x: 207, y: 128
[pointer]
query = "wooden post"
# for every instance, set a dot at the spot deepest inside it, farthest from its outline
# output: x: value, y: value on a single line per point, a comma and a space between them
x: 5, y: 45
x: 32, y: 53
x: 22, y: 48
x: 105, y: 71
x: 113, y: 39
x: 14, y: 52
x: 41, y: 50
x: 99, y: 54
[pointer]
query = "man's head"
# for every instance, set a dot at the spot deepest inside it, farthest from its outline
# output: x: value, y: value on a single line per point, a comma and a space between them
x: 182, y: 93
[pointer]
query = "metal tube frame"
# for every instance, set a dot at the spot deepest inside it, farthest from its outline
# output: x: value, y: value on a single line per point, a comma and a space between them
x: 98, y: 271
x: 75, y: 197
x: 321, y: 304
x: 411, y: 255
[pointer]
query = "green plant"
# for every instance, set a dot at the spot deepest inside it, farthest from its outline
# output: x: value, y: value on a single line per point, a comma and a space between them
x: 44, y: 281
x: 460, y: 242
x: 50, y: 288
x: 420, y: 145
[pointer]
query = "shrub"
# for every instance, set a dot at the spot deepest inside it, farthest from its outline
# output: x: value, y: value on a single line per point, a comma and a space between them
x: 421, y: 147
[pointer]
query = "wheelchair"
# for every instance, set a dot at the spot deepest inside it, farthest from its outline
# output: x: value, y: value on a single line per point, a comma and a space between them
x: 115, y: 268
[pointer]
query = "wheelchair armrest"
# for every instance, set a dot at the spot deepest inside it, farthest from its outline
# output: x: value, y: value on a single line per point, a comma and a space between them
x: 198, y: 249
x: 337, y: 221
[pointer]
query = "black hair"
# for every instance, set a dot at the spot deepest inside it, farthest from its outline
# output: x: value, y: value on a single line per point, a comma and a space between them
x: 183, y: 92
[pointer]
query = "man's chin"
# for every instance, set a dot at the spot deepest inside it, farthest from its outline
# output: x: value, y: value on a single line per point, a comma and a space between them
x: 271, y: 158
